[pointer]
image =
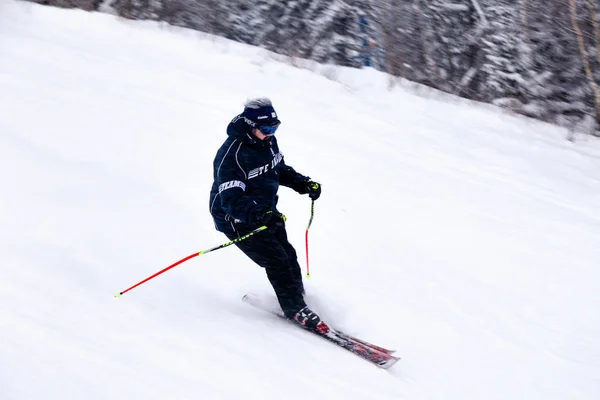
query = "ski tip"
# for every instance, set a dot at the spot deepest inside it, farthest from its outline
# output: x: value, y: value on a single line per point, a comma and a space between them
x: 389, y: 363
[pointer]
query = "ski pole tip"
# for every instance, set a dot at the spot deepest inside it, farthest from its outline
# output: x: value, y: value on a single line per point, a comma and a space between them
x: 307, y: 276
x: 118, y: 295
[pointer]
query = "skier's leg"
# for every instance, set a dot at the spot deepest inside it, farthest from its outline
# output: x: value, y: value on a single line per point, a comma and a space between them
x: 266, y: 250
x: 281, y: 235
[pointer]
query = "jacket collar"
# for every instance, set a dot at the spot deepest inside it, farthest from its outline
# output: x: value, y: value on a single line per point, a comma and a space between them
x: 238, y: 128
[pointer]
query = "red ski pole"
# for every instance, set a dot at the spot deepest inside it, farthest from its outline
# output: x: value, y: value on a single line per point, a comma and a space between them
x: 312, y: 214
x: 262, y: 228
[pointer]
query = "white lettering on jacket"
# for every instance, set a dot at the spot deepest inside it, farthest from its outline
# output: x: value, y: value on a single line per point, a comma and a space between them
x: 232, y: 184
x: 261, y: 170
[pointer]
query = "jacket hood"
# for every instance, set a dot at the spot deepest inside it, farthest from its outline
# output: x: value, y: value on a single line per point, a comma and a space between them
x: 239, y: 127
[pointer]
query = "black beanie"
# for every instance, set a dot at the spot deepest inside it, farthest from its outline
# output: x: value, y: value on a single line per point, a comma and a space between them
x: 260, y: 112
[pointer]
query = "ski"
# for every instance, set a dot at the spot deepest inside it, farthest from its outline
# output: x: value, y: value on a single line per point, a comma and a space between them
x: 376, y: 355
x: 371, y: 345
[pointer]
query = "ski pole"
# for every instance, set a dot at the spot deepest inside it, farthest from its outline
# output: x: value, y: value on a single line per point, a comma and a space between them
x: 262, y: 228
x: 312, y: 214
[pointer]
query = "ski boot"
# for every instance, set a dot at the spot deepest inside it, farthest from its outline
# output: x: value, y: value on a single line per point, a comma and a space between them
x: 311, y: 321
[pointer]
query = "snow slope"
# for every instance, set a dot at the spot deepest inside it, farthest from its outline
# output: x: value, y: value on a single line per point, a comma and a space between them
x: 464, y: 238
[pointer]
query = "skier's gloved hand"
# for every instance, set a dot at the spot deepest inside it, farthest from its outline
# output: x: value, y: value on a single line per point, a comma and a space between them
x: 270, y: 218
x: 313, y: 189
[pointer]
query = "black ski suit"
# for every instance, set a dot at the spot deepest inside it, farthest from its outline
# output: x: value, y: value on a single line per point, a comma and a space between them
x: 247, y: 175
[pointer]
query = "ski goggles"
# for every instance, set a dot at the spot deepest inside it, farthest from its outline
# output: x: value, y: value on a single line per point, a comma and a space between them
x: 268, y: 130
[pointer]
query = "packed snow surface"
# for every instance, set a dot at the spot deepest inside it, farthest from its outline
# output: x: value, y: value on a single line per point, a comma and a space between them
x: 464, y: 238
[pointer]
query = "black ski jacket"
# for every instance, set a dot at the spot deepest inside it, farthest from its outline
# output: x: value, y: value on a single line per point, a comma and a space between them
x: 247, y: 174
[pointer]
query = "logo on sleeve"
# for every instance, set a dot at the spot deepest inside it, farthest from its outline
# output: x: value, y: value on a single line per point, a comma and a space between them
x: 232, y: 184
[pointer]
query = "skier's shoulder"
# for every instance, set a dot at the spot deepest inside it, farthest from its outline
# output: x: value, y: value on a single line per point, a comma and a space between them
x: 231, y: 152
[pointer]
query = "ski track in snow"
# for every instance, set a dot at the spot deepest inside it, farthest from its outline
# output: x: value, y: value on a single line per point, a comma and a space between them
x: 464, y: 238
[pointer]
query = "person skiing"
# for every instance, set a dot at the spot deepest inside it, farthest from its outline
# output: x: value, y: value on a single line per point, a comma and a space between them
x: 248, y: 170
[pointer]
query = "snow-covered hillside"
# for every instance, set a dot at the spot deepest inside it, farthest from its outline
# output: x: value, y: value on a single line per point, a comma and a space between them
x: 466, y: 239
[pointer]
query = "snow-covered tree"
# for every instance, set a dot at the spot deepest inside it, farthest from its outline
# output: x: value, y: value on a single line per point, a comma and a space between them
x: 88, y: 5
x: 454, y: 38
x: 402, y: 38
x: 559, y: 84
x: 503, y: 66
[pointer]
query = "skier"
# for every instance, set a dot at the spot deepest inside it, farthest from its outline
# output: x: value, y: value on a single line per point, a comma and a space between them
x: 248, y: 170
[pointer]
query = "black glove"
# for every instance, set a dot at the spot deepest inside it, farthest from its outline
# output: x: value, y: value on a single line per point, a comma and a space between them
x: 270, y: 218
x: 313, y: 189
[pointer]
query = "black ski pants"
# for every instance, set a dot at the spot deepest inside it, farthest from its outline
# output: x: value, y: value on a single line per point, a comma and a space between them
x: 271, y: 250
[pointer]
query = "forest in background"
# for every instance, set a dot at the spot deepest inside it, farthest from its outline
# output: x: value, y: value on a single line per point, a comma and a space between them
x: 540, y: 58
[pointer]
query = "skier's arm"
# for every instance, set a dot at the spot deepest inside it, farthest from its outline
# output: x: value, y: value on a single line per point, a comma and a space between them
x: 292, y: 179
x: 300, y: 183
